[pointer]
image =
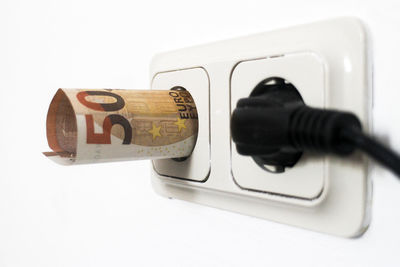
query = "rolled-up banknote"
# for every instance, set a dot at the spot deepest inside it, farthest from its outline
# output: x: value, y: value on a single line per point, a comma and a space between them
x: 88, y: 126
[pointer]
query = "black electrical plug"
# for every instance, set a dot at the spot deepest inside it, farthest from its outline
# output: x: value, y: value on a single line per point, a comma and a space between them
x: 275, y: 127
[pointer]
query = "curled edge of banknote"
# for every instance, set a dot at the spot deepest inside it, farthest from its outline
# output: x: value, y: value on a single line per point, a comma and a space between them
x: 59, y: 154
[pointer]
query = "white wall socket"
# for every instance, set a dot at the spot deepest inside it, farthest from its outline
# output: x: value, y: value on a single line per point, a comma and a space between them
x: 329, y: 63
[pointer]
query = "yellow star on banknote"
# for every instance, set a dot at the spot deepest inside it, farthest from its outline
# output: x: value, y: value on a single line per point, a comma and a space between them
x: 155, y: 131
x: 180, y: 123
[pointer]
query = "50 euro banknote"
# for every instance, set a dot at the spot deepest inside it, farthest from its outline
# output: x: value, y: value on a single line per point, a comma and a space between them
x: 89, y: 126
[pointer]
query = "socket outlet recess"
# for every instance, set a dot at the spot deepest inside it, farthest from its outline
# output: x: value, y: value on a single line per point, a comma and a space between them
x: 329, y: 64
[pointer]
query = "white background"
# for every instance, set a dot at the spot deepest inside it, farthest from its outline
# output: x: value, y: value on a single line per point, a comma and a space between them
x: 108, y: 215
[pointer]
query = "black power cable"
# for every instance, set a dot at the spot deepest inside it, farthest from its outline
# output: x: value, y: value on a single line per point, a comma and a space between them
x: 275, y: 127
x: 380, y: 153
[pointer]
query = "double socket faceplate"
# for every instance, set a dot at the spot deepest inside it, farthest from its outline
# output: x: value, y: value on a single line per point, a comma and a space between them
x: 328, y: 62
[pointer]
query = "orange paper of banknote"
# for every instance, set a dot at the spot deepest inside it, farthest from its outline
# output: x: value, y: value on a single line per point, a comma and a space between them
x: 88, y: 126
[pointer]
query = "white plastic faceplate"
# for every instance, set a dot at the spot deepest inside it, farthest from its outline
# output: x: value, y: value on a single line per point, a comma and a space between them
x: 328, y: 62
